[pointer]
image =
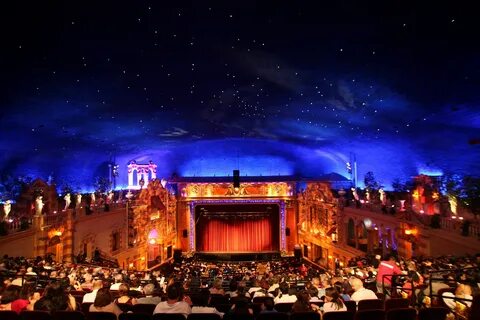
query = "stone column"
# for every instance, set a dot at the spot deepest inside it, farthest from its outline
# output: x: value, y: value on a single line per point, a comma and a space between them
x: 68, y: 238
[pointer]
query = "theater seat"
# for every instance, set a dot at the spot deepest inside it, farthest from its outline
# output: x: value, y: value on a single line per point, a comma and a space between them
x: 401, y: 314
x: 305, y: 316
x: 370, y: 304
x: 168, y: 316
x: 134, y: 316
x: 203, y: 316
x: 370, y: 315
x: 433, y: 313
x: 396, y: 303
x: 351, y: 305
x: 284, y: 307
x: 143, y: 308
x: 101, y: 316
x: 338, y: 315
x: 85, y: 307
x: 8, y: 315
x: 35, y: 315
x: 70, y: 315
x: 272, y: 316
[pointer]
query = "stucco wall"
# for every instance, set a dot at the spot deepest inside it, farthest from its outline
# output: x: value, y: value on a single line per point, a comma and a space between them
x: 97, y: 230
x: 21, y: 244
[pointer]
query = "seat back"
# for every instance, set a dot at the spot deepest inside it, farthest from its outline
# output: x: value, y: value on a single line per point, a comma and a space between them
x: 85, y: 307
x: 70, y: 315
x: 35, y: 315
x: 272, y: 316
x: 370, y: 315
x: 143, y: 308
x: 370, y: 304
x: 395, y: 303
x: 401, y: 314
x: 134, y: 316
x: 338, y: 315
x: 433, y: 313
x: 305, y: 316
x: 8, y: 315
x: 168, y: 316
x: 380, y: 295
x: 216, y: 299
x: 284, y: 307
x: 351, y: 305
x: 101, y: 316
x: 203, y: 316
x: 125, y: 307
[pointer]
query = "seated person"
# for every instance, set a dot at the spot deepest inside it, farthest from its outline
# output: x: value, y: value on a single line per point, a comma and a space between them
x: 284, y: 296
x: 463, y: 291
x: 361, y: 293
x: 104, y: 303
x: 149, y: 298
x: 174, y: 303
x: 124, y: 295
x: 333, y: 301
x: 302, y: 304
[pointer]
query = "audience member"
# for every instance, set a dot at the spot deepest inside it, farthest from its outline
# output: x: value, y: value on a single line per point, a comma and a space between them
x: 333, y: 301
x: 104, y: 303
x: 174, y: 304
x: 361, y: 293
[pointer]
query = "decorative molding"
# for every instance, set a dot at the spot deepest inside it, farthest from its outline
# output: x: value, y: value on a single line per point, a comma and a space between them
x: 248, y: 189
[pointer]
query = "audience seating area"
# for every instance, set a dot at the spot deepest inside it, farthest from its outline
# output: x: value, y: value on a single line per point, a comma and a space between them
x: 197, y: 278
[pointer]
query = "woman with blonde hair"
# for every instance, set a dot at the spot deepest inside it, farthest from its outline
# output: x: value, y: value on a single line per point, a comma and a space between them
x: 217, y: 287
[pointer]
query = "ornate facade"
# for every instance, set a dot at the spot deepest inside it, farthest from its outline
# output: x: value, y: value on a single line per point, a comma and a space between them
x: 144, y: 229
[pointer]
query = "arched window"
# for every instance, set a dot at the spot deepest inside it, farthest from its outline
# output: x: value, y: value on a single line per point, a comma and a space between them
x: 135, y: 177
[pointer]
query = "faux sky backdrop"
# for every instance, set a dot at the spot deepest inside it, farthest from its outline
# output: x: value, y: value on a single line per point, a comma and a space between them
x: 202, y: 88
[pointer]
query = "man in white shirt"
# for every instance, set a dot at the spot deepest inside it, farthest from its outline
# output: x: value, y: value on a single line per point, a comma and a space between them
x: 283, y: 296
x: 118, y: 281
x: 173, y: 305
x: 90, y: 297
x: 361, y: 293
x: 198, y: 309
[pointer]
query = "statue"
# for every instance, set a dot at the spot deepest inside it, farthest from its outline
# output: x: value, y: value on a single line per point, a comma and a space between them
x: 7, y: 206
x: 79, y: 201
x: 67, y: 201
x: 356, y: 198
x: 110, y: 197
x: 383, y: 198
x: 39, y: 205
x: 92, y: 196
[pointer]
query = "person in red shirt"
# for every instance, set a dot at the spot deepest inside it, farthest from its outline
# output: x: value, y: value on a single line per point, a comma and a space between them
x: 386, y: 267
x: 303, y: 270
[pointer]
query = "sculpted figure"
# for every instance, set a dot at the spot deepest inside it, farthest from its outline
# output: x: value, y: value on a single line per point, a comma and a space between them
x: 68, y: 200
x: 79, y: 201
x: 7, y: 207
x: 38, y: 205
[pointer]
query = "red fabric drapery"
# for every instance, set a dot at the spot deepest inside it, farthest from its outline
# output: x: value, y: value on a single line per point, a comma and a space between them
x: 237, y: 235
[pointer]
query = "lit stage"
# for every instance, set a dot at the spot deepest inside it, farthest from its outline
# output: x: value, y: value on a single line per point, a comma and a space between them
x: 237, y: 228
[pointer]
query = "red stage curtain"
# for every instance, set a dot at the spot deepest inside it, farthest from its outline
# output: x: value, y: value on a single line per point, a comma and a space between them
x: 236, y: 235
